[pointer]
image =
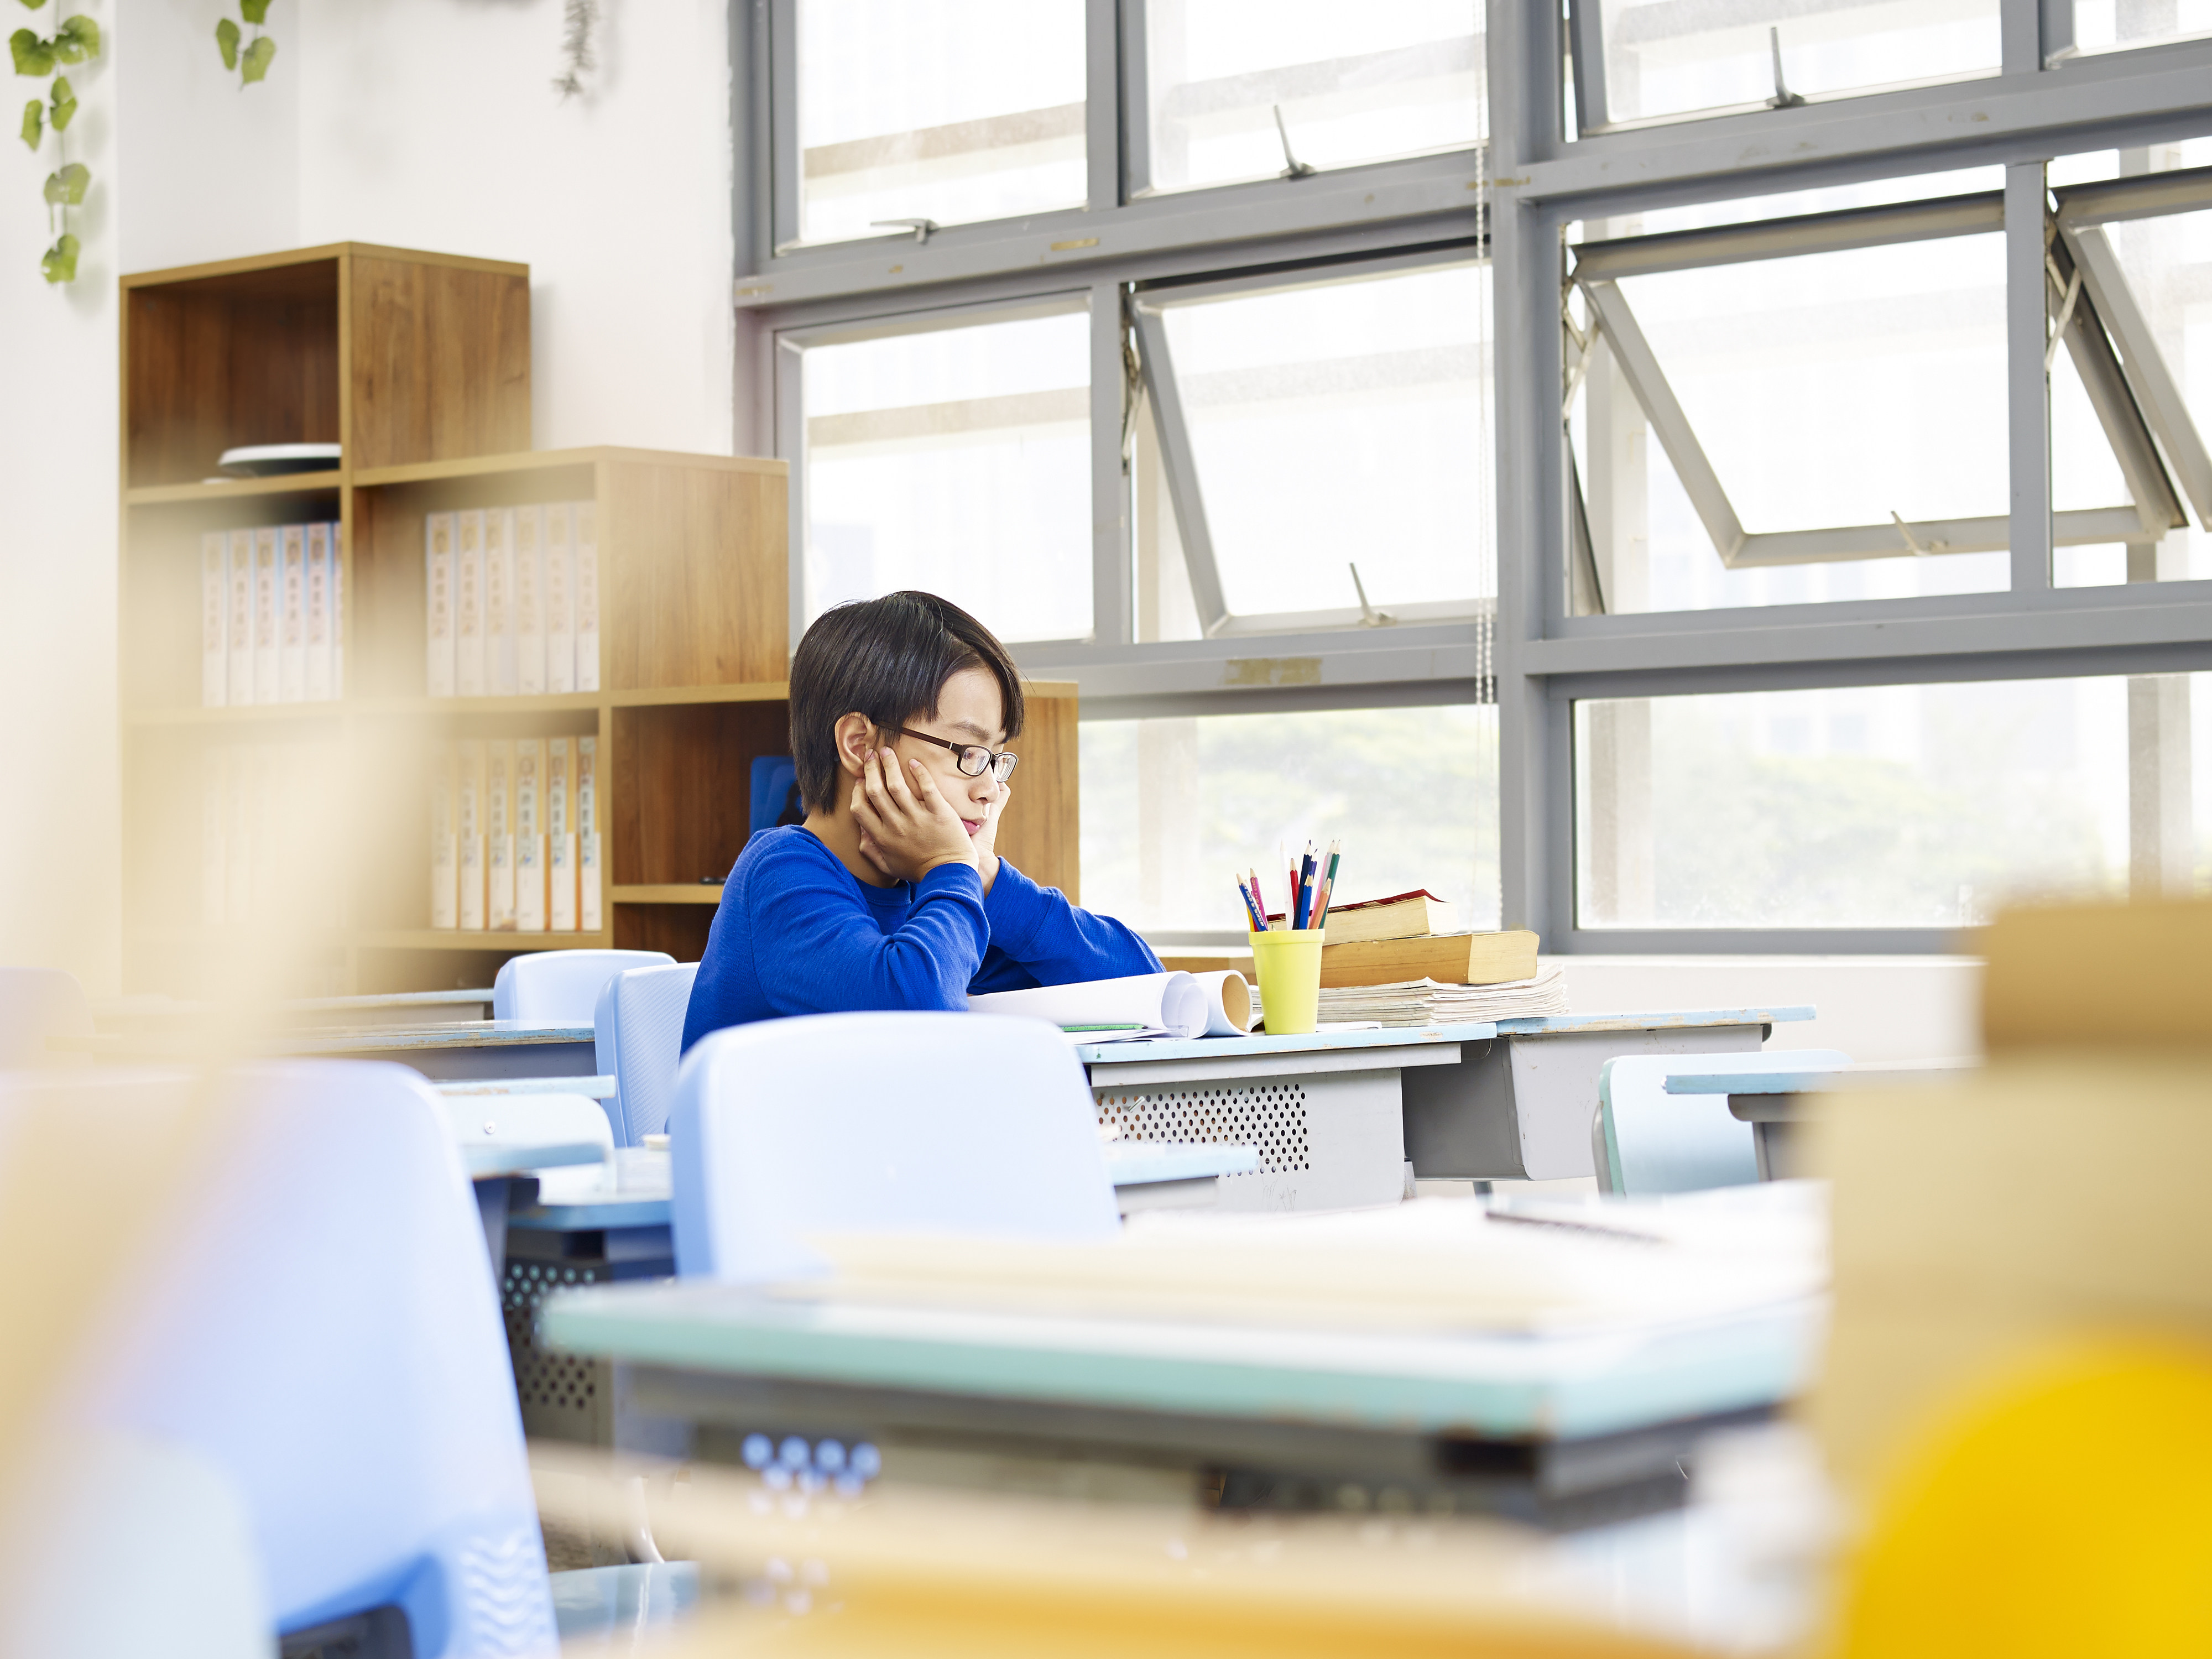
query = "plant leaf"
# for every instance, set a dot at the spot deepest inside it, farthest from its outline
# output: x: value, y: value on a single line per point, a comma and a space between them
x: 33, y: 5
x: 226, y: 40
x: 34, y: 124
x: 66, y: 188
x: 33, y: 55
x: 255, y: 63
x: 64, y: 103
x: 60, y: 264
x: 255, y: 12
x: 76, y: 39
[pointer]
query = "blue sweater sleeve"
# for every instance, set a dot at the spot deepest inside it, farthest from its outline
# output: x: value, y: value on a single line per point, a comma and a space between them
x: 1037, y: 938
x: 817, y: 951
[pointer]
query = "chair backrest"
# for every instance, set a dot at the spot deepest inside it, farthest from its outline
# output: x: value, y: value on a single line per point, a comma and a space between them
x: 1646, y: 1140
x: 639, y: 1027
x: 971, y: 1124
x: 35, y: 1003
x: 316, y: 1316
x: 561, y: 987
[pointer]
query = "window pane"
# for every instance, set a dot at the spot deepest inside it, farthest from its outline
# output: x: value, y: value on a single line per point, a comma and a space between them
x: 2165, y: 266
x: 1887, y: 806
x: 958, y: 461
x: 1355, y: 83
x: 1831, y: 391
x: 1663, y: 59
x: 949, y: 110
x: 2104, y: 25
x: 1341, y: 424
x: 1174, y: 809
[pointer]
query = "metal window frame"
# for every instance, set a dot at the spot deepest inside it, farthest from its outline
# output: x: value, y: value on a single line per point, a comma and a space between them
x: 2046, y: 101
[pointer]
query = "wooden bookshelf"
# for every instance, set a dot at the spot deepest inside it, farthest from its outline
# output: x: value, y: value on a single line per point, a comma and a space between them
x: 418, y: 366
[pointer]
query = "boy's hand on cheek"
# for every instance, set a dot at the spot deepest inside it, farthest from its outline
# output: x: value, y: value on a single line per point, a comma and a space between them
x: 986, y: 840
x: 913, y: 828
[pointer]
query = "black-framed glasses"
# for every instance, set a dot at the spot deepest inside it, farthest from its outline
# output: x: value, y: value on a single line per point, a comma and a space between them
x: 972, y: 758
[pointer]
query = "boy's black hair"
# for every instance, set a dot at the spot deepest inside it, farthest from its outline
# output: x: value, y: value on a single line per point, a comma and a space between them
x: 887, y: 658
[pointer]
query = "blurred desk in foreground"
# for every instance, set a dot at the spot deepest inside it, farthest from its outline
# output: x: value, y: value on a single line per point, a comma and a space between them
x: 1563, y: 1429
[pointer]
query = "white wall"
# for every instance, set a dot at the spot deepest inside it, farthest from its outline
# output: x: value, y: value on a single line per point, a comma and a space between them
x: 60, y: 834
x: 1873, y: 1008
x: 433, y: 125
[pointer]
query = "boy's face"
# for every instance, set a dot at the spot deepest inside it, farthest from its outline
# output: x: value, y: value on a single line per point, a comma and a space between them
x: 968, y: 710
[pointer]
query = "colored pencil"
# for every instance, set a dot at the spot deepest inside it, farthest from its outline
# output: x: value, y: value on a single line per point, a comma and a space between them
x: 1329, y: 881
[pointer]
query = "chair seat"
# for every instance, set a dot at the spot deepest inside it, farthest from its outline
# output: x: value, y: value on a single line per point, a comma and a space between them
x: 622, y: 1609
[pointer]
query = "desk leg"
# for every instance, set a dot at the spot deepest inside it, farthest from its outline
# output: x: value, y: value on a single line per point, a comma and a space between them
x: 1519, y: 1108
x: 492, y: 1199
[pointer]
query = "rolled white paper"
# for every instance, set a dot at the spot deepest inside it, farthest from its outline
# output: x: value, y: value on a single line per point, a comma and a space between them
x: 1177, y: 1003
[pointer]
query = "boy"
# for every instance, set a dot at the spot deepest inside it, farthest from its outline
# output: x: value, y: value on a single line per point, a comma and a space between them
x: 891, y: 894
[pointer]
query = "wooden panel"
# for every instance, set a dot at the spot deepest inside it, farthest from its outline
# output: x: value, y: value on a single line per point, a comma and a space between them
x: 220, y: 362
x: 1041, y: 830
x: 441, y: 361
x: 696, y: 576
x: 679, y: 929
x: 682, y: 787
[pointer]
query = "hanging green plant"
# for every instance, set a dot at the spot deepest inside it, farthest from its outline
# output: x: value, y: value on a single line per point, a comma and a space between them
x: 252, y: 61
x: 74, y: 40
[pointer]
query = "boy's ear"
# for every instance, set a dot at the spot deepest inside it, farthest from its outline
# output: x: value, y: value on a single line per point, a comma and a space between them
x: 855, y: 735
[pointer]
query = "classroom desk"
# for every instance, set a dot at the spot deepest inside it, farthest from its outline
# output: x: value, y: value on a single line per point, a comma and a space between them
x: 1566, y: 1430
x: 621, y: 1233
x: 458, y: 1050
x: 1774, y: 1102
x: 1337, y: 1115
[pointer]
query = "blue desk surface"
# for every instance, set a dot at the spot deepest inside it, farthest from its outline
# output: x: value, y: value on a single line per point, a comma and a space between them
x: 1394, y: 1037
x: 1752, y: 1082
x: 1493, y: 1386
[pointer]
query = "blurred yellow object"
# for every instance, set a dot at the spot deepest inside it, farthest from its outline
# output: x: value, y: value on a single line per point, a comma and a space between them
x: 2066, y: 1511
x: 2100, y: 976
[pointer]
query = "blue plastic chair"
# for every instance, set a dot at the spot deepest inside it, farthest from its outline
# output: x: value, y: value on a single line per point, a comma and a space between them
x: 562, y: 988
x: 639, y: 1028
x: 316, y: 1318
x: 971, y: 1124
x: 1644, y: 1141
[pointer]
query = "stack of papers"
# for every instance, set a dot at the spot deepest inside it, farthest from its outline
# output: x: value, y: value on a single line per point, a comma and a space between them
x: 1426, y: 1002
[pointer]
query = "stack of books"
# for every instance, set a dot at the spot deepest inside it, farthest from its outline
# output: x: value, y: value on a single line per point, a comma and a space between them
x: 1402, y: 960
x: 513, y: 600
x: 514, y: 836
x: 272, y: 615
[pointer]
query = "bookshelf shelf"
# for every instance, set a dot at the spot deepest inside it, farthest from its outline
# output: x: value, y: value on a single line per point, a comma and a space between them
x: 670, y: 893
x: 313, y: 818
x: 230, y: 490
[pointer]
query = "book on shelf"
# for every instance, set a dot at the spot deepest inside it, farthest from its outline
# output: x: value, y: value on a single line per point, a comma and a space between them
x: 438, y: 602
x: 585, y: 532
x: 268, y: 617
x: 337, y: 608
x: 469, y: 826
x: 215, y: 616
x: 215, y: 808
x: 259, y: 803
x: 1447, y: 958
x: 292, y: 648
x: 560, y: 598
x: 529, y: 836
x: 238, y: 629
x: 559, y: 837
x: 237, y: 835
x: 318, y: 613
x: 589, y: 909
x: 529, y: 600
x: 1426, y: 1002
x: 445, y: 848
x: 498, y: 835
x: 468, y: 603
x: 499, y: 602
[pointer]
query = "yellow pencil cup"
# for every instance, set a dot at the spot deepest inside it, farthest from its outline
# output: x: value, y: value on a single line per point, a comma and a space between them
x: 1288, y: 967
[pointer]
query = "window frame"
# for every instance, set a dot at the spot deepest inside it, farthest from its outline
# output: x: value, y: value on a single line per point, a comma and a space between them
x: 1513, y: 195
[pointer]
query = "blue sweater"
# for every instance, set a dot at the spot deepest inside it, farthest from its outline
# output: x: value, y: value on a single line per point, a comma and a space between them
x: 798, y: 934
